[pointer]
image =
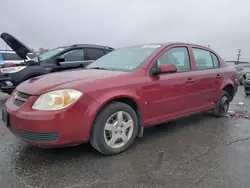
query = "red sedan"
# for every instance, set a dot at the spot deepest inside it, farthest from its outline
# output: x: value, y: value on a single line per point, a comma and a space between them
x: 114, y: 98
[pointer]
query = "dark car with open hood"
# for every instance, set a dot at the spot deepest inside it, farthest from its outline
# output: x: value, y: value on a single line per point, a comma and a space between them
x: 58, y: 59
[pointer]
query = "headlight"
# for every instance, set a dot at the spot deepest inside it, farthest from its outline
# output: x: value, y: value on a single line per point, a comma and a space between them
x: 12, y: 69
x: 56, y: 100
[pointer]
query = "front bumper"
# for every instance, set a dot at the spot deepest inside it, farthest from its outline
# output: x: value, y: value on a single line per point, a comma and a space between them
x: 50, y: 129
x: 6, y: 83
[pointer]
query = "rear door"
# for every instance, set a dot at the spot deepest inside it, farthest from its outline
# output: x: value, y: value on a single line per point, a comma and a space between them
x: 209, y: 76
x: 94, y: 54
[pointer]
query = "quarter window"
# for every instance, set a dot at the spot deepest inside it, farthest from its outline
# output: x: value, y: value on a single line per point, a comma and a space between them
x: 74, y: 55
x: 94, y: 54
x: 203, y: 59
x: 215, y: 60
x: 178, y: 57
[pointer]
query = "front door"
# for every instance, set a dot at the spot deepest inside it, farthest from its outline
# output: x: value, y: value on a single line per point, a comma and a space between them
x: 72, y: 59
x: 172, y: 95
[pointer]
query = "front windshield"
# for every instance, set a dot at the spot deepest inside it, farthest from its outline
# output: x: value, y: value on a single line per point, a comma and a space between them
x: 125, y: 59
x: 48, y: 54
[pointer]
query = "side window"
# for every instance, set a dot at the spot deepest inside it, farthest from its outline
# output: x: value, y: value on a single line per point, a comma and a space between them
x: 203, y: 59
x: 215, y: 60
x: 177, y: 56
x: 94, y: 53
x: 73, y: 55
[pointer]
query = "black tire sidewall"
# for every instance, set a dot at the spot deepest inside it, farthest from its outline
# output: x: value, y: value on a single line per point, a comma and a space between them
x: 97, y: 134
x: 217, y: 109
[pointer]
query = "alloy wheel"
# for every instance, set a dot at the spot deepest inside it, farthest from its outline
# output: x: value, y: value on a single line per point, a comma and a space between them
x: 118, y: 129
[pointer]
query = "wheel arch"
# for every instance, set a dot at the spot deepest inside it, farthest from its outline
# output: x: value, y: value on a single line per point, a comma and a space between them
x: 129, y: 100
x: 230, y: 90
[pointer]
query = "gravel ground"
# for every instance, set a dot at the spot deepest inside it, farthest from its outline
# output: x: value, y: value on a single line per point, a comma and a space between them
x: 198, y: 151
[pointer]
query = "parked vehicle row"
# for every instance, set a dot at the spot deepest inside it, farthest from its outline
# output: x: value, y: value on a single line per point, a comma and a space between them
x: 241, y: 74
x: 112, y: 100
x: 58, y: 59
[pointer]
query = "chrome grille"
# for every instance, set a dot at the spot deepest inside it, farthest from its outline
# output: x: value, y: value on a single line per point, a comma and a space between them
x: 18, y: 102
x: 20, y: 98
x: 22, y: 95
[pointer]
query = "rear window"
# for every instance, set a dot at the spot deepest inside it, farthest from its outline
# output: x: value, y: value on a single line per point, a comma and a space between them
x: 11, y: 57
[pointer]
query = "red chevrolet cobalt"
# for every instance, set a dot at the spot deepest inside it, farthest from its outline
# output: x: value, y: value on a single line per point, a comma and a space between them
x: 110, y: 101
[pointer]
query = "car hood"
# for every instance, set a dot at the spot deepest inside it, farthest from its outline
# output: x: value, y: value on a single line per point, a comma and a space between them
x: 66, y: 79
x: 21, y: 49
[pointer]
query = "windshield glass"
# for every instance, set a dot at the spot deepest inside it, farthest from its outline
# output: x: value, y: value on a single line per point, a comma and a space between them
x: 125, y: 59
x: 48, y: 54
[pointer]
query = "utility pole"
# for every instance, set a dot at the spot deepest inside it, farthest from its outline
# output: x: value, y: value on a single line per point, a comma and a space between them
x: 238, y: 55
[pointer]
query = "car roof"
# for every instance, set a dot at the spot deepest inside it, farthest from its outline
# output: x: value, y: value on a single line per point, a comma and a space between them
x: 175, y: 43
x: 88, y: 45
x: 163, y: 45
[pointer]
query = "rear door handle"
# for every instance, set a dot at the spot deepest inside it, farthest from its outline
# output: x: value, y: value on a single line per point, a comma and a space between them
x: 218, y: 76
x: 190, y: 80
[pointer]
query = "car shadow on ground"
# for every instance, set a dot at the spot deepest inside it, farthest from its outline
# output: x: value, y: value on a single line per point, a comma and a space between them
x: 29, y: 155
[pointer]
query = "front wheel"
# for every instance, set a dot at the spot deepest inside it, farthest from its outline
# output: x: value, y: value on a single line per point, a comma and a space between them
x: 114, y: 129
x: 222, y: 105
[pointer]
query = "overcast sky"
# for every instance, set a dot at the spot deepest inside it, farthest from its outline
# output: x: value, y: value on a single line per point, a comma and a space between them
x: 222, y: 24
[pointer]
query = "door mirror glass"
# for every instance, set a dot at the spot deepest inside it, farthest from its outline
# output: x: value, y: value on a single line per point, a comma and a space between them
x: 164, y: 68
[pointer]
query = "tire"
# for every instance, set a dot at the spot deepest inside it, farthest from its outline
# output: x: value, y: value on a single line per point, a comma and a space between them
x: 247, y: 94
x: 100, y: 134
x: 222, y: 105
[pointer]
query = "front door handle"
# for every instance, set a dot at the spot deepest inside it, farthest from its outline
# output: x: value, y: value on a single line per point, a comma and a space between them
x: 218, y: 76
x: 190, y: 80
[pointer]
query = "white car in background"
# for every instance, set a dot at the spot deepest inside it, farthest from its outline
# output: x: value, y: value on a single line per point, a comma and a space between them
x: 10, y: 57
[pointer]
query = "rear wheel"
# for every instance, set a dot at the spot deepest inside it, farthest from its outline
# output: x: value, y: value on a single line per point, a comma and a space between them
x: 222, y: 105
x: 115, y: 129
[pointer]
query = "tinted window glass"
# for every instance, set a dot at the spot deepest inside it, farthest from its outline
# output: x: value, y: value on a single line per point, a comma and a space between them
x: 203, y: 59
x: 125, y: 59
x: 106, y: 51
x: 178, y: 57
x: 93, y: 53
x: 11, y: 56
x: 215, y: 60
x: 74, y: 55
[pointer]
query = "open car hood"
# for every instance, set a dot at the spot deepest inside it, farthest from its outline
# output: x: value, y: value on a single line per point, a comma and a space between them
x: 21, y: 49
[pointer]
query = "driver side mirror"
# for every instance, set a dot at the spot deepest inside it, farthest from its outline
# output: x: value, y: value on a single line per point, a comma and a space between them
x: 59, y: 60
x: 163, y: 68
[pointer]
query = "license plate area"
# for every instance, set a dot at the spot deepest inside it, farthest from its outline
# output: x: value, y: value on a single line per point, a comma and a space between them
x: 5, y: 117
